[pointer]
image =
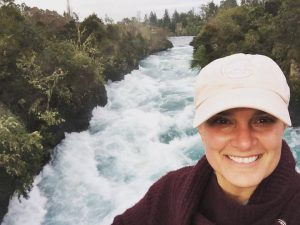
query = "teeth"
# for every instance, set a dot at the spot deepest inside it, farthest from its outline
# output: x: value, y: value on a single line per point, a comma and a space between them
x: 243, y: 159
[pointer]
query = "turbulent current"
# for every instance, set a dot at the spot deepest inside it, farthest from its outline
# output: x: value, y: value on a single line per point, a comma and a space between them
x: 143, y: 132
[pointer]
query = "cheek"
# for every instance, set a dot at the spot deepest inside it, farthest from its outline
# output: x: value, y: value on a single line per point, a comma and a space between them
x: 273, y: 138
x: 213, y: 145
x: 214, y: 141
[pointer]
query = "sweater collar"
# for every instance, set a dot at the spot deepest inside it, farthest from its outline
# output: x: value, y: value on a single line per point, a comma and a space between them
x: 270, y: 194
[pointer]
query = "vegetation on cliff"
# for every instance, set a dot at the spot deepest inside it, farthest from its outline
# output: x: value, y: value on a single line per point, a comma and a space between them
x: 52, y: 74
x: 256, y: 26
x: 22, y: 152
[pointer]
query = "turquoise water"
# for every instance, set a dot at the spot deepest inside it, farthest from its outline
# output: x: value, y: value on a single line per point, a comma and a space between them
x: 292, y: 136
x: 143, y: 132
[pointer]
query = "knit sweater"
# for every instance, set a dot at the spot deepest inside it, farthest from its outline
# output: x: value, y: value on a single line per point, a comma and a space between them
x: 184, y: 197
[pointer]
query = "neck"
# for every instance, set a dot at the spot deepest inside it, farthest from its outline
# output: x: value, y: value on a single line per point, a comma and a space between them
x: 238, y: 194
x: 241, y: 197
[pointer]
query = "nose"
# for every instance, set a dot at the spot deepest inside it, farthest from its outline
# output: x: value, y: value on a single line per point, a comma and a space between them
x: 243, y: 138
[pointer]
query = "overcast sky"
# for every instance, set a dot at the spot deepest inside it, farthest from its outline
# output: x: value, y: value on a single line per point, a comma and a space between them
x: 117, y: 9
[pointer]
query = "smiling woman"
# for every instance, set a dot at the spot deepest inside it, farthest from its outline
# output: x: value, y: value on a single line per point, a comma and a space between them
x: 242, y: 141
x: 247, y: 175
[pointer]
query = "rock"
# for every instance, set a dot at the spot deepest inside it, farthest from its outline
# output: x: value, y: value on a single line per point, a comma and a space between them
x: 295, y: 114
x: 6, y: 191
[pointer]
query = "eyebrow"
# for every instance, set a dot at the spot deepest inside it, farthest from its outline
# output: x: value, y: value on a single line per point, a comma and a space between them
x: 259, y: 112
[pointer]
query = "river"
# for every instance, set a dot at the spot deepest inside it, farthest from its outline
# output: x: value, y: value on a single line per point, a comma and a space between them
x: 143, y: 132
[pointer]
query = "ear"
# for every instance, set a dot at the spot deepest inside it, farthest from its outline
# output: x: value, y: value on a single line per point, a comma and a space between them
x: 200, y: 129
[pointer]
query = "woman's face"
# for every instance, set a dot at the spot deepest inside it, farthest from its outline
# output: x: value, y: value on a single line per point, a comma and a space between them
x: 243, y: 146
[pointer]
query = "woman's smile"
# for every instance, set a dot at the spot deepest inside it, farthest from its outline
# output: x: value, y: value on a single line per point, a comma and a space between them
x: 243, y: 160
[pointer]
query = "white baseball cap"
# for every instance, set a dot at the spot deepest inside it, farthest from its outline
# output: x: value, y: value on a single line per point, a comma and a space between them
x: 241, y: 80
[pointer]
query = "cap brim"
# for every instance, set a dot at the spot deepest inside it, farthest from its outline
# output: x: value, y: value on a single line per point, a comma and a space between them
x: 255, y: 98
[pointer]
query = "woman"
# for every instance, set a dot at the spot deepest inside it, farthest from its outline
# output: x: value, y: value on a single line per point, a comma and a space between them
x: 247, y: 176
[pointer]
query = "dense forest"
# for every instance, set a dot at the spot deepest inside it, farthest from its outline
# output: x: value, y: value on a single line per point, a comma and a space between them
x: 268, y: 27
x: 53, y: 67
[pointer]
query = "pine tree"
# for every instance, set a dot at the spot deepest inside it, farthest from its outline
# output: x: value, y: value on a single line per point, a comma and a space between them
x: 166, y: 19
x: 175, y: 20
x: 153, y: 18
x: 228, y: 3
x: 208, y: 11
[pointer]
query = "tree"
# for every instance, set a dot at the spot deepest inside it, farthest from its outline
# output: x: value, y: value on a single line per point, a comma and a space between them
x: 45, y: 84
x: 175, y: 20
x: 113, y: 31
x: 50, y: 21
x: 69, y: 31
x: 272, y: 6
x: 251, y: 2
x: 153, y: 18
x: 146, y: 19
x: 175, y: 17
x: 108, y: 20
x: 20, y: 152
x: 230, y: 31
x: 228, y: 3
x: 93, y: 24
x: 287, y: 33
x: 208, y: 11
x: 166, y: 21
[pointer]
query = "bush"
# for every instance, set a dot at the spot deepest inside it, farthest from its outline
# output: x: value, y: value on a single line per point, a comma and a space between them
x: 20, y: 152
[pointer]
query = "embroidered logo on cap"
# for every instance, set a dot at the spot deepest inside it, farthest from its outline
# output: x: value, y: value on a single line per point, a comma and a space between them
x: 237, y: 70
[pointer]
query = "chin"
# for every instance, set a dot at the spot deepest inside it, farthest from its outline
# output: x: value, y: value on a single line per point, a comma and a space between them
x: 246, y: 181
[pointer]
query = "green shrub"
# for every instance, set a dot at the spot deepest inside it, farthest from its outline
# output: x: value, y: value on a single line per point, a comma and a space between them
x: 20, y: 152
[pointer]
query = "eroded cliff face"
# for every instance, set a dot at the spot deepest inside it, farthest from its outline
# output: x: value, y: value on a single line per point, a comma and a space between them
x: 6, y: 191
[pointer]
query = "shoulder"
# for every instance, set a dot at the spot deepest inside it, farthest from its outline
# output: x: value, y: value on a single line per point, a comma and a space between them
x: 292, y: 209
x: 158, y: 204
x: 155, y: 205
x: 183, y: 177
x: 296, y: 190
x: 170, y: 180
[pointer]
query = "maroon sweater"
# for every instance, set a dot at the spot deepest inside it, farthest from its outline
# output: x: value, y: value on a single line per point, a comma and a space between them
x: 191, y: 196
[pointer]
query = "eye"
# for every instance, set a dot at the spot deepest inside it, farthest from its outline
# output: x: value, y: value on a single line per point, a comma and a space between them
x: 265, y: 120
x: 219, y: 120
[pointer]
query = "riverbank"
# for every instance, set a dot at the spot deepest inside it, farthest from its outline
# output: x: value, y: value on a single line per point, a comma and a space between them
x: 52, y: 74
